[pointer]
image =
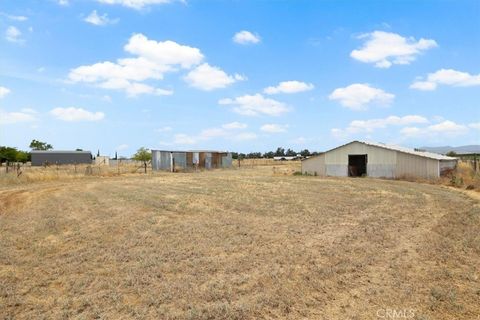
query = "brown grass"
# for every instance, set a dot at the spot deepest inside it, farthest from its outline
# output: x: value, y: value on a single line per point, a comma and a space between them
x: 28, y: 174
x: 237, y: 244
x: 465, y: 176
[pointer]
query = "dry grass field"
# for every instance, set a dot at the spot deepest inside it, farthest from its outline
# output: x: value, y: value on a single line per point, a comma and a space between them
x: 237, y: 244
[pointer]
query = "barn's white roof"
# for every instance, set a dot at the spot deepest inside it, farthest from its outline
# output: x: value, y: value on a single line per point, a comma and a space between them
x: 425, y: 154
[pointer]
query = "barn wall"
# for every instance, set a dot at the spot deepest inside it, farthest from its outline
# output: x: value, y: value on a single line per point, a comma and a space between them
x: 208, y: 160
x: 180, y: 160
x: 416, y: 166
x: 381, y: 162
x: 314, y: 165
x: 227, y: 160
x: 160, y: 160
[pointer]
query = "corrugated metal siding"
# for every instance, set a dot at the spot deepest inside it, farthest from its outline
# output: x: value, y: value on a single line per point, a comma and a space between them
x: 208, y: 160
x: 180, y: 159
x: 160, y: 160
x: 314, y: 165
x: 375, y: 155
x: 227, y: 160
x: 380, y: 162
x: 412, y: 165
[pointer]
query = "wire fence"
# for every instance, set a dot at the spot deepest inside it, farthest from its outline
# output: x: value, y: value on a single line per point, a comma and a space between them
x: 25, y: 171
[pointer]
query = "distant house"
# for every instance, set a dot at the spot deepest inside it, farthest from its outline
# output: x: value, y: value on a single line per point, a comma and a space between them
x: 41, y: 157
x: 359, y: 158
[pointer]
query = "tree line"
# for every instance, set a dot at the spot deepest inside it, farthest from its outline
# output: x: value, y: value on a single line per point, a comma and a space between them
x: 280, y: 152
x: 10, y: 154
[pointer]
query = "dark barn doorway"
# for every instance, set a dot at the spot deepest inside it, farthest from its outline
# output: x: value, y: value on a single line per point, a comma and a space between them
x: 357, y: 165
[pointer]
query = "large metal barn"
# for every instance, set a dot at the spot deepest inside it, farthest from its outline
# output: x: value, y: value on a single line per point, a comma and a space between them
x: 359, y: 158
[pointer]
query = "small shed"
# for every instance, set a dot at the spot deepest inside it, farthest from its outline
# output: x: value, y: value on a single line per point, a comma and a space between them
x: 46, y: 157
x: 185, y: 160
x: 359, y: 158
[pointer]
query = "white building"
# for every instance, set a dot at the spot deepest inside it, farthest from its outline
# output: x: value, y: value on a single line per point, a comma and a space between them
x: 359, y: 158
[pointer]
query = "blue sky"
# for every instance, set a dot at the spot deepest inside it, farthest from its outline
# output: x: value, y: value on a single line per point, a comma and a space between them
x: 238, y: 75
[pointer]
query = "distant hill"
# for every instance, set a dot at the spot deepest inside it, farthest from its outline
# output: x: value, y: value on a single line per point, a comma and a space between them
x: 474, y: 148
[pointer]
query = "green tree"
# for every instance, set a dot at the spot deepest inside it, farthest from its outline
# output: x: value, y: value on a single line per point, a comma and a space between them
x: 305, y: 153
x: 280, y: 152
x: 8, y: 154
x: 23, y: 156
x: 290, y: 153
x: 143, y: 154
x: 269, y: 154
x: 39, y: 145
x: 254, y: 155
x: 451, y: 154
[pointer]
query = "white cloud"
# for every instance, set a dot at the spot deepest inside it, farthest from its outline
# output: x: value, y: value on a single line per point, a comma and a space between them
x: 206, y: 77
x: 368, y: 126
x: 289, y: 87
x: 423, y: 85
x: 212, y: 133
x: 107, y: 98
x: 385, y: 48
x: 24, y: 115
x: 448, y: 77
x: 229, y: 131
x: 164, y: 129
x: 182, y: 138
x: 252, y: 105
x: 475, y: 125
x: 99, y: 20
x: 3, y: 92
x: 446, y: 128
x: 12, y: 34
x: 246, y: 37
x: 299, y: 140
x: 152, y: 61
x: 135, y: 4
x: 133, y: 88
x: 14, y: 17
x: 274, y: 128
x: 63, y: 2
x: 234, y: 125
x: 121, y: 147
x: 244, y: 136
x: 167, y: 53
x: 76, y: 114
x: 358, y: 96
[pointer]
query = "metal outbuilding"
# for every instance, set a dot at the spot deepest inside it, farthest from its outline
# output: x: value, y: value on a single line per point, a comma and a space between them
x: 185, y: 160
x: 359, y: 158
x: 46, y: 157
